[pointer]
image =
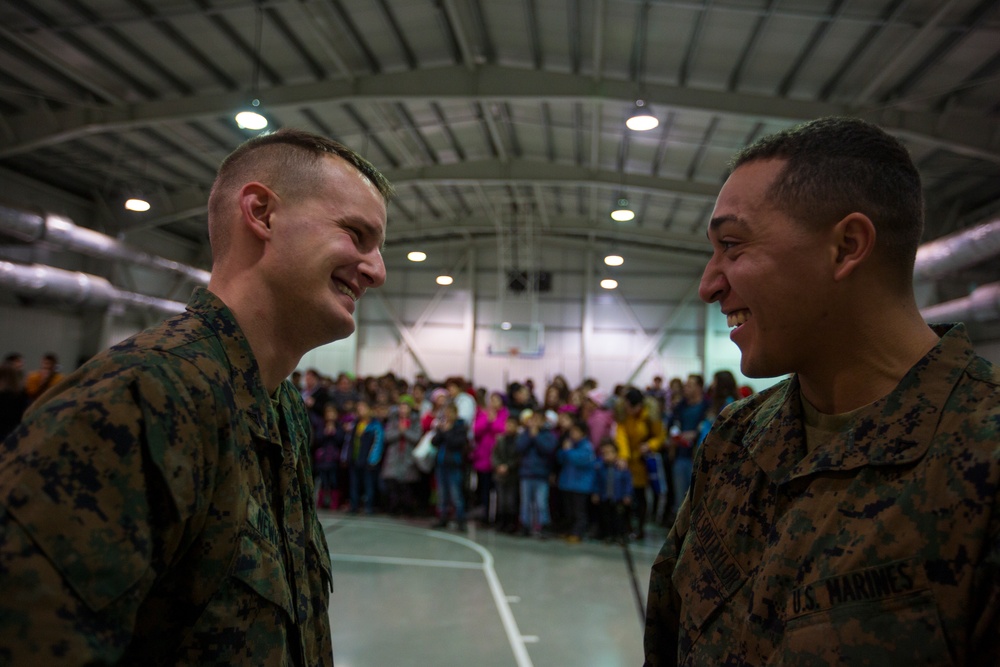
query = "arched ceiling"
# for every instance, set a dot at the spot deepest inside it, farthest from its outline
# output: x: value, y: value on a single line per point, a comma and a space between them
x: 481, y: 111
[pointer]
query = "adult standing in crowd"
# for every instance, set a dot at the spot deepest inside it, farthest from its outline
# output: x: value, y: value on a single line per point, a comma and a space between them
x: 639, y: 434
x: 44, y: 378
x: 847, y: 515
x: 463, y: 401
x: 314, y: 395
x: 685, y: 424
x: 156, y: 507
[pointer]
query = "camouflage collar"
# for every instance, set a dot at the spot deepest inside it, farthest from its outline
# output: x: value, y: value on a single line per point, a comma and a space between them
x: 894, y: 430
x: 248, y: 387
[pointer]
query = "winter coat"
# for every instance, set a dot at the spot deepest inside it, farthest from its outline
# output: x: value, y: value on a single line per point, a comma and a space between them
x: 536, y: 453
x: 452, y: 445
x: 505, y: 453
x: 576, y: 473
x: 400, y: 439
x: 485, y: 433
x: 366, y: 448
x: 612, y: 483
x: 633, y: 431
x: 328, y: 448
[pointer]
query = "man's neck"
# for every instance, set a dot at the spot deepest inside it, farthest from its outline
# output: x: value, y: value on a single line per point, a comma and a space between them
x: 273, y: 350
x: 869, y: 362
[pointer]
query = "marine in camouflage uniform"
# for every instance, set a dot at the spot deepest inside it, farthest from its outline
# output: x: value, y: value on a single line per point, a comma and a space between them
x: 880, y: 546
x: 156, y: 509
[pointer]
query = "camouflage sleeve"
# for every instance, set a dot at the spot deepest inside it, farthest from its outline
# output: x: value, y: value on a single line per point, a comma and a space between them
x: 986, y: 650
x: 663, y: 604
x: 92, y: 488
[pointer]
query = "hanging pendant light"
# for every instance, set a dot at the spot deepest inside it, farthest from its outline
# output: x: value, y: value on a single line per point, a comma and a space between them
x: 137, y: 204
x: 641, y: 120
x: 251, y: 118
x: 622, y: 212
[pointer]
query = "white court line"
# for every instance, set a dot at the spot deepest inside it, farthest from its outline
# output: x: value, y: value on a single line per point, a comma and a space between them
x: 517, y: 641
x: 392, y: 560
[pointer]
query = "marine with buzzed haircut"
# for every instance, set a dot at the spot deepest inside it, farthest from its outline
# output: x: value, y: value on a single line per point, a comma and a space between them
x: 847, y: 515
x: 156, y: 508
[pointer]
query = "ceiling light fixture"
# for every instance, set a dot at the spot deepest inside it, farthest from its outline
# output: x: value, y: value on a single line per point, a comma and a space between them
x: 641, y: 120
x: 252, y: 119
x: 137, y: 204
x: 622, y: 212
x: 506, y: 326
x: 416, y: 256
x: 614, y: 260
x: 609, y: 283
x: 444, y: 280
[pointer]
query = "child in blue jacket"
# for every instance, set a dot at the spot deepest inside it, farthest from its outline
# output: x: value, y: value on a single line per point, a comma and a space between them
x: 612, y: 493
x: 576, y: 477
x: 535, y: 446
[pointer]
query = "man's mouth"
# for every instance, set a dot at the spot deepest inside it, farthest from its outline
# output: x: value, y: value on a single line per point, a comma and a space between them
x: 737, y: 317
x: 341, y: 287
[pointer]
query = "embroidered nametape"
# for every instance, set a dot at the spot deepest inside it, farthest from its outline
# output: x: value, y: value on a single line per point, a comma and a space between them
x: 873, y: 583
x: 723, y: 563
x: 261, y: 522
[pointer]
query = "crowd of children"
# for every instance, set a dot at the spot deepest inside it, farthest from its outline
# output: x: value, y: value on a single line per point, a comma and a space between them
x: 579, y: 463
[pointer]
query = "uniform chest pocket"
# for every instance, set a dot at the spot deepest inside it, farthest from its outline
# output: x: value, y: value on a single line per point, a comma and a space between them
x: 878, y: 615
x: 260, y: 566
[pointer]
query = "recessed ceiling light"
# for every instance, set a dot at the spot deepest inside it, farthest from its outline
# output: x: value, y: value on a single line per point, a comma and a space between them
x: 609, y: 283
x: 614, y: 260
x: 416, y: 256
x: 444, y: 280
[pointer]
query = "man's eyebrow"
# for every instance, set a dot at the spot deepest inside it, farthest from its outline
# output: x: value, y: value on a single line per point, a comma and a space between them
x: 715, y: 223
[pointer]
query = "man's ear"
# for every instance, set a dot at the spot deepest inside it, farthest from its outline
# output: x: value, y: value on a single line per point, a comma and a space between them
x: 855, y: 239
x: 257, y: 202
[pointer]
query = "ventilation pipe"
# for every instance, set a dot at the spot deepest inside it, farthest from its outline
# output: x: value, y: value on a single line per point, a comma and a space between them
x: 76, y: 288
x: 957, y: 251
x: 982, y: 305
x: 63, y: 234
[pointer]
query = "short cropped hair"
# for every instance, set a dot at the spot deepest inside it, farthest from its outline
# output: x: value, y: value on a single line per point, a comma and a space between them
x: 285, y: 161
x: 839, y: 165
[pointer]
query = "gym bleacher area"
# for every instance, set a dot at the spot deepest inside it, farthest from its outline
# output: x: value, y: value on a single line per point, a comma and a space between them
x: 405, y: 594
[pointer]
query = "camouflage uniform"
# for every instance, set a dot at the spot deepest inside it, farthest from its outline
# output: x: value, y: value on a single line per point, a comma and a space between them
x: 155, y: 508
x: 880, y: 549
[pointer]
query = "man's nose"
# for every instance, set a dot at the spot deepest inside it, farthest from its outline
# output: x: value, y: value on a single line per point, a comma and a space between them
x: 713, y: 283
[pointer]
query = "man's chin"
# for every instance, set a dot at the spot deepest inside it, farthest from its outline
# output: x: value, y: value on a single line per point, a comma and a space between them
x: 340, y: 329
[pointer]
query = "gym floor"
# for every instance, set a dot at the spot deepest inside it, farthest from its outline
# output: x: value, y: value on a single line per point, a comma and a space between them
x: 405, y: 595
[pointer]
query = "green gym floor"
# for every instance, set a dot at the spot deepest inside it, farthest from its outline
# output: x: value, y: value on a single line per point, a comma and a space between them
x: 405, y: 595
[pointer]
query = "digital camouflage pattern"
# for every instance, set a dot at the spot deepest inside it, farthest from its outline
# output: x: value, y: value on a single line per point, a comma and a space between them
x: 155, y: 509
x: 880, y: 548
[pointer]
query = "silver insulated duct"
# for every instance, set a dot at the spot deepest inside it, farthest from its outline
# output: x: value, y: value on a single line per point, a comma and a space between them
x: 957, y: 251
x: 61, y: 233
x: 76, y: 288
x: 983, y: 305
